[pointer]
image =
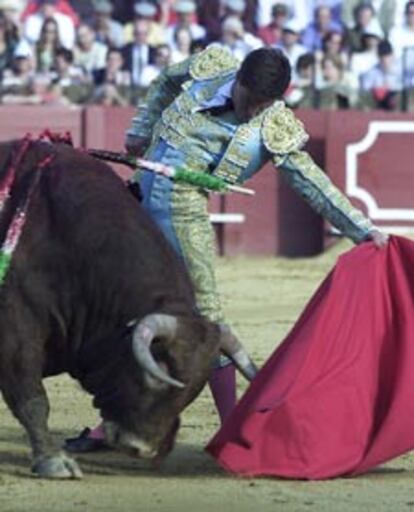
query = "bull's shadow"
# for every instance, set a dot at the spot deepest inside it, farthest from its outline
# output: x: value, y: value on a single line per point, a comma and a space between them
x: 187, y: 460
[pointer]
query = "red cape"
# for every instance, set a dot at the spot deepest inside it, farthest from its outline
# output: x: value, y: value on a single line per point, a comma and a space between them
x: 337, y: 396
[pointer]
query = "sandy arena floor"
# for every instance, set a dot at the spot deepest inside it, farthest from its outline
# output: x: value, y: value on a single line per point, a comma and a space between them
x: 262, y: 297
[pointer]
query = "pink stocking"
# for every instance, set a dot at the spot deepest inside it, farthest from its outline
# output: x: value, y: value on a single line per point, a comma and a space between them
x: 97, y: 432
x: 223, y: 388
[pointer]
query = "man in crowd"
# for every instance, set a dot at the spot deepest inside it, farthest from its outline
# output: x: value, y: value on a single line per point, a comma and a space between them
x: 139, y: 53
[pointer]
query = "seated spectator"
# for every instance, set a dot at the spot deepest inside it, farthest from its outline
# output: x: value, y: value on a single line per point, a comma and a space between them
x: 234, y: 8
x: 182, y: 45
x: 305, y: 70
x: 18, y: 77
x: 384, y: 81
x: 237, y: 9
x: 47, y: 9
x: 83, y: 9
x: 146, y: 11
x: 335, y: 86
x: 89, y: 53
x: 402, y: 38
x: 197, y: 46
x: 70, y: 80
x: 298, y: 11
x: 62, y: 6
x: 66, y: 73
x: 364, y: 15
x: 323, y: 23
x: 139, y: 53
x: 108, y: 95
x: 47, y: 46
x: 290, y: 44
x: 12, y: 10
x: 335, y: 7
x: 107, y: 30
x: 384, y: 10
x: 367, y: 58
x: 8, y: 44
x: 233, y: 38
x: 333, y: 45
x: 162, y: 60
x: 210, y: 16
x: 185, y: 11
x: 123, y: 9
x: 40, y: 92
x: 301, y: 90
x: 246, y: 10
x: 114, y: 72
x: 272, y: 33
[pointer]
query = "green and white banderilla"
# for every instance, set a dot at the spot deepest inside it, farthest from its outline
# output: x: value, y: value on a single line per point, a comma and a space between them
x: 198, y: 179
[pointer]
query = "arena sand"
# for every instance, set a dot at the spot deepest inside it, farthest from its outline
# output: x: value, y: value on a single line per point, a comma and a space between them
x: 262, y: 299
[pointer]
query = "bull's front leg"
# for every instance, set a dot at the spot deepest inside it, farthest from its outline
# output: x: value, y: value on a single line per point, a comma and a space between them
x: 29, y: 403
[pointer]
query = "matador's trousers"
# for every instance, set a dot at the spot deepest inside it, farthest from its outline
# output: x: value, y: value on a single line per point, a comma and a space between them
x: 181, y: 212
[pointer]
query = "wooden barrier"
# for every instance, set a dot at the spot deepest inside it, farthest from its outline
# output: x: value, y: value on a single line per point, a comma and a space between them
x: 19, y: 120
x: 369, y: 157
x: 104, y: 128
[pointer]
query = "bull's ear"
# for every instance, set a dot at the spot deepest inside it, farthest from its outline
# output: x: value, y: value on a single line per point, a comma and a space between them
x: 232, y: 348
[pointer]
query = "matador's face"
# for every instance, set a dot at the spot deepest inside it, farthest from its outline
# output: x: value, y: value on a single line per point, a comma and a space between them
x: 246, y: 104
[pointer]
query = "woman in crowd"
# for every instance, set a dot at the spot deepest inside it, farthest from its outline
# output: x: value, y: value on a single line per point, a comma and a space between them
x: 47, y: 46
x: 8, y: 43
x: 182, y: 45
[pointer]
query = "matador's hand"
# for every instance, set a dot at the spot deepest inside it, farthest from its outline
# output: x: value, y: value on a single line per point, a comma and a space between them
x: 379, y: 238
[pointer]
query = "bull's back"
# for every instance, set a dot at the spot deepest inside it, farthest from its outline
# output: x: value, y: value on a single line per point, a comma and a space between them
x: 84, y: 226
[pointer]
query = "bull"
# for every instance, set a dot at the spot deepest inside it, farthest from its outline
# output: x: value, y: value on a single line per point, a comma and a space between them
x: 94, y: 290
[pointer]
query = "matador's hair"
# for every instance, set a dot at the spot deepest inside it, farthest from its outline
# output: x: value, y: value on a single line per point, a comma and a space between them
x: 265, y: 72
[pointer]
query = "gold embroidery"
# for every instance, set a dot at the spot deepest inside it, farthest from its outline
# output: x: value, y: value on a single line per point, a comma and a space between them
x: 282, y: 132
x: 213, y: 62
x: 197, y: 242
x: 237, y: 156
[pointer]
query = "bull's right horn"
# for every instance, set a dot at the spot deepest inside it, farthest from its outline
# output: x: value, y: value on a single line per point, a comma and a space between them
x: 145, y: 331
x: 232, y: 348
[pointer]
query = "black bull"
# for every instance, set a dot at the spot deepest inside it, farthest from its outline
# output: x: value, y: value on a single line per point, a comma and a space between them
x: 94, y: 290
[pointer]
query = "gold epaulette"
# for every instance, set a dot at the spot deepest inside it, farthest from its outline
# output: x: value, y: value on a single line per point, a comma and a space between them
x: 282, y: 132
x: 213, y: 62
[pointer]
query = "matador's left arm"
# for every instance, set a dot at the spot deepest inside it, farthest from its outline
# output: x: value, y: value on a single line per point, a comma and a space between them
x: 284, y: 136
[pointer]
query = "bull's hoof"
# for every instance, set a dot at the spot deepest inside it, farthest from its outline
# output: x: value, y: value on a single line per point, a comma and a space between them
x: 59, y: 466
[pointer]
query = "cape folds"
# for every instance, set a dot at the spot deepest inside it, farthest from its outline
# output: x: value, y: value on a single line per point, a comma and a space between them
x: 337, y: 396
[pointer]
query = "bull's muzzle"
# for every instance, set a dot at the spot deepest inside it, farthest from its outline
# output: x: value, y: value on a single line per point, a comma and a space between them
x: 128, y: 442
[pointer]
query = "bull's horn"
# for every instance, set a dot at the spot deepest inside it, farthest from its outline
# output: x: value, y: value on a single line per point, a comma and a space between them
x: 232, y: 348
x: 145, y: 331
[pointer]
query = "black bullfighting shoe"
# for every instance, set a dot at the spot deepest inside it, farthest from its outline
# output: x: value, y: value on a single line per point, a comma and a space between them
x: 84, y: 444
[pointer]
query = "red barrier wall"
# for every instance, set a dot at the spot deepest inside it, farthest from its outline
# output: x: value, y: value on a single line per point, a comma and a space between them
x: 19, y: 120
x: 104, y: 128
x: 369, y: 156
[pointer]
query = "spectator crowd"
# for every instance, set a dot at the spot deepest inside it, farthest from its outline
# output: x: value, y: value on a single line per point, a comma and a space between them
x: 344, y: 54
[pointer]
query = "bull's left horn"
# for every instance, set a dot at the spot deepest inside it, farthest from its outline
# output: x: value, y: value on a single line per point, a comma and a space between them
x: 146, y: 330
x: 232, y: 348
